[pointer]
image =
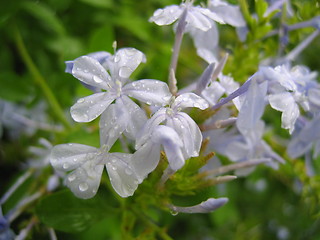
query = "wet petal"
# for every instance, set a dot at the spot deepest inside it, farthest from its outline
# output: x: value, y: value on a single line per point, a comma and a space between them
x: 135, y: 115
x: 122, y: 176
x: 189, y: 100
x: 91, y: 72
x: 124, y: 62
x: 149, y: 126
x: 112, y: 124
x: 189, y: 131
x: 66, y: 157
x: 172, y: 144
x: 152, y: 92
x: 84, y: 162
x: 211, y: 15
x: 213, y: 93
x: 166, y: 15
x: 146, y: 159
x: 89, y: 108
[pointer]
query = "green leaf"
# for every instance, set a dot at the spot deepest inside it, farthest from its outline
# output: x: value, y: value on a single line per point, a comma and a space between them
x: 261, y: 7
x: 45, y: 15
x: 64, y: 212
x: 13, y: 88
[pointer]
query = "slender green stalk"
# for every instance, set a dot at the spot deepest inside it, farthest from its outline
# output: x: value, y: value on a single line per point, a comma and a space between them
x: 39, y: 80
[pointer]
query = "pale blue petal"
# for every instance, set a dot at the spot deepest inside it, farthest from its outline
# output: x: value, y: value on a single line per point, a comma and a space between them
x: 211, y: 15
x: 285, y: 103
x: 189, y: 100
x: 253, y: 107
x: 189, y: 132
x: 213, y: 93
x: 197, y: 20
x: 91, y: 72
x: 230, y: 14
x: 66, y: 157
x: 152, y: 92
x: 112, y: 124
x: 136, y: 117
x: 124, y: 62
x: 205, y: 207
x: 172, y: 144
x: 122, y: 175
x: 146, y: 159
x: 149, y: 126
x: 89, y: 108
x: 166, y: 15
x: 85, y: 165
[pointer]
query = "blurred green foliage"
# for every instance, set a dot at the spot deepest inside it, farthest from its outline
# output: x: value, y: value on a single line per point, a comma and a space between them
x: 268, y: 204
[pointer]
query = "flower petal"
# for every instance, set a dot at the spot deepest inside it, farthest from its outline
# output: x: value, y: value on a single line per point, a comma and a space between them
x: 146, y: 159
x: 89, y: 108
x: 66, y: 157
x: 135, y: 115
x: 230, y: 14
x: 149, y: 126
x: 190, y: 133
x: 91, y: 72
x: 86, y: 163
x: 166, y: 15
x: 122, y: 175
x: 124, y: 62
x: 172, y: 145
x: 285, y: 103
x: 189, y: 100
x: 253, y: 107
x: 197, y: 20
x: 112, y: 123
x: 152, y: 92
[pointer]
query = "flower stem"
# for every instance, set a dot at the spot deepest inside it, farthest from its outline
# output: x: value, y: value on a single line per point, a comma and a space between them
x: 39, y: 79
x: 176, y: 49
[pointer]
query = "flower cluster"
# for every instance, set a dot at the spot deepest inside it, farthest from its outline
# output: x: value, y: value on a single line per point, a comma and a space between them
x: 235, y: 124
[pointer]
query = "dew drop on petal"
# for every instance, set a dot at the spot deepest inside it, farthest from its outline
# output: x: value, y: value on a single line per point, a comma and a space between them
x: 117, y: 58
x: 65, y: 165
x: 78, y: 69
x: 83, y: 187
x: 128, y: 171
x: 86, y: 70
x: 81, y: 100
x: 97, y: 79
x: 71, y: 177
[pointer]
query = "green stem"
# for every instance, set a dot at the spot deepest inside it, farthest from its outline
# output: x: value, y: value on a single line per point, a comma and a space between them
x: 39, y: 79
x: 160, y: 231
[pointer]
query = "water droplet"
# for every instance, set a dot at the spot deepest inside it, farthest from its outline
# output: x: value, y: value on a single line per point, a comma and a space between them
x: 78, y: 69
x: 134, y: 84
x: 197, y: 105
x: 124, y: 72
x: 85, y: 116
x: 94, y: 191
x: 86, y: 70
x: 182, y: 127
x: 75, y: 159
x: 114, y: 168
x: 149, y: 103
x: 81, y: 100
x: 65, y: 165
x: 71, y: 177
x: 117, y: 58
x: 97, y: 79
x: 83, y: 187
x: 70, y: 144
x: 113, y: 160
x: 128, y: 171
x: 174, y: 213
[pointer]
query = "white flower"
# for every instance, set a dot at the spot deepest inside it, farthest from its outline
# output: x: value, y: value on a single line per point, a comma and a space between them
x: 197, y: 17
x: 84, y: 166
x: 289, y: 88
x: 124, y: 115
x: 184, y: 136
